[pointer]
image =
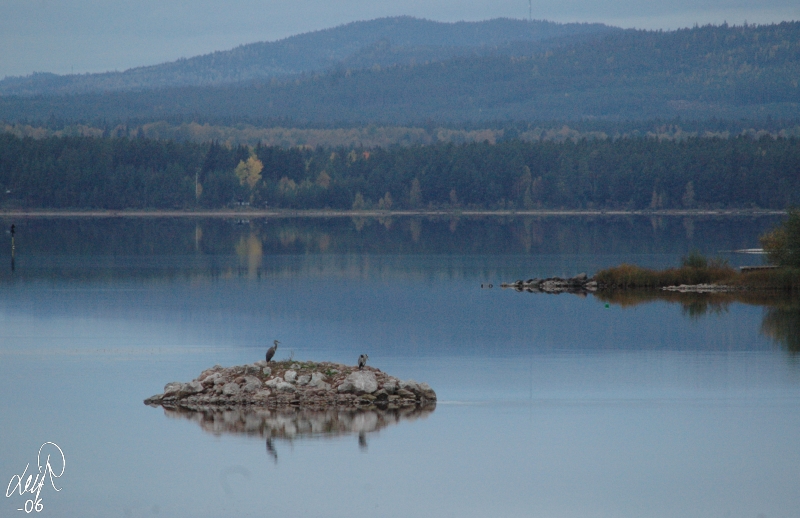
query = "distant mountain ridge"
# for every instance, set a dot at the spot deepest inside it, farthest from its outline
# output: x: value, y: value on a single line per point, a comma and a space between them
x: 723, y: 72
x: 381, y: 42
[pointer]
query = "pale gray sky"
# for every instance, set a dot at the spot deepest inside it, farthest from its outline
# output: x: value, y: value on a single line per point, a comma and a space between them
x: 98, y: 35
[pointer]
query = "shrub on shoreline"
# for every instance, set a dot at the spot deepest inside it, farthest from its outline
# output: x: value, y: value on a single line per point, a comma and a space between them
x: 782, y: 244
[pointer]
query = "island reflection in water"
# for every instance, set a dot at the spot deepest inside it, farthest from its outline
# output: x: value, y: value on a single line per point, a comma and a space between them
x: 290, y: 424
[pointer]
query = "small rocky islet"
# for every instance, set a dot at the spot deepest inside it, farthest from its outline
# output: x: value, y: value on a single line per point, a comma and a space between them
x: 581, y: 283
x: 287, y: 384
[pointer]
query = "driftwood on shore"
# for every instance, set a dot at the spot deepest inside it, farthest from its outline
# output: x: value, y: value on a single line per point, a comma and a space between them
x: 291, y: 384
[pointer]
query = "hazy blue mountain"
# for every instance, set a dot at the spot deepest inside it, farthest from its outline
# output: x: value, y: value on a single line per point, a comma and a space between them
x: 700, y: 73
x: 382, y: 42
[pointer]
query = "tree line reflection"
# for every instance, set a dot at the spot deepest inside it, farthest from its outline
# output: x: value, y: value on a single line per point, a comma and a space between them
x: 780, y: 322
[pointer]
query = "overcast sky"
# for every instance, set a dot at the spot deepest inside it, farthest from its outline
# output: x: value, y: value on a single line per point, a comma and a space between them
x: 61, y: 36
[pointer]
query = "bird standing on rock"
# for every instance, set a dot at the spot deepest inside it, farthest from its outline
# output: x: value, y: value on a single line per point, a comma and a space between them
x: 362, y: 360
x: 271, y: 351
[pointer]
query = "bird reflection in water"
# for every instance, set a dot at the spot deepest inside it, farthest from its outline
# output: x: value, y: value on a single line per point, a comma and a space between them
x: 289, y: 425
x: 271, y: 451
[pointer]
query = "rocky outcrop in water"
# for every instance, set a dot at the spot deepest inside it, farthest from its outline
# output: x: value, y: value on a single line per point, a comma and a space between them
x: 581, y: 283
x: 309, y: 385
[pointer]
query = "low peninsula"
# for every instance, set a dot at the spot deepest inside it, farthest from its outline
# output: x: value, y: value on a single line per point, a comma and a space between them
x: 293, y: 384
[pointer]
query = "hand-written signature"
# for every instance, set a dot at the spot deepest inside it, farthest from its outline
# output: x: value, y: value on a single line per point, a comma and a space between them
x: 33, y: 485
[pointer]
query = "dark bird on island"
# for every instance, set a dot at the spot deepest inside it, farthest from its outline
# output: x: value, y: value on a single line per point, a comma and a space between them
x: 362, y: 360
x: 271, y: 351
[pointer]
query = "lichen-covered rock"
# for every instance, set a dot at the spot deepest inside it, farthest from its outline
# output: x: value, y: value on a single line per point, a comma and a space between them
x: 426, y: 391
x: 251, y: 384
x: 262, y: 395
x: 172, y: 388
x: 405, y: 393
x: 283, y: 386
x: 193, y: 387
x: 390, y: 387
x: 318, y: 382
x: 359, y: 381
x: 231, y: 389
x: 215, y: 378
x: 410, y: 385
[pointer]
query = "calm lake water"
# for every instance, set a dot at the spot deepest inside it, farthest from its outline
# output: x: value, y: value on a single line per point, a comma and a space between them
x: 549, y: 405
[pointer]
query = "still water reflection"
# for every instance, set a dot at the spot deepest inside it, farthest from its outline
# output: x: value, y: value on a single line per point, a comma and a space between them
x: 548, y: 405
x: 289, y: 425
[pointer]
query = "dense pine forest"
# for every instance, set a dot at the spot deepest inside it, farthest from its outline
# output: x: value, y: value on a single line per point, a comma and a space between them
x: 628, y: 173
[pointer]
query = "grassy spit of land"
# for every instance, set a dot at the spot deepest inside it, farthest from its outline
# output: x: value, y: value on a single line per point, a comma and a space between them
x: 782, y: 245
x: 716, y: 273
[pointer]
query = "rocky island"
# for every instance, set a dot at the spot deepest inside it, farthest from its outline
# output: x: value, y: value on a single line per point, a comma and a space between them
x: 581, y: 283
x: 292, y: 384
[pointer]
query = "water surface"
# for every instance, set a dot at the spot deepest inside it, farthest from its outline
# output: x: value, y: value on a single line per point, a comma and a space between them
x: 548, y: 405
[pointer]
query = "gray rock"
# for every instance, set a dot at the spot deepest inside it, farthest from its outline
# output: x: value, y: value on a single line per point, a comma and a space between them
x: 283, y: 386
x: 405, y: 393
x: 251, y: 384
x: 213, y: 379
x: 267, y: 371
x: 426, y: 391
x: 303, y: 380
x: 154, y: 400
x: 254, y: 370
x: 290, y: 376
x: 410, y: 385
x: 359, y: 381
x: 173, y: 388
x: 261, y: 395
x: 272, y: 383
x: 318, y: 381
x: 580, y: 277
x: 390, y: 387
x: 294, y: 366
x: 193, y: 387
x: 231, y: 389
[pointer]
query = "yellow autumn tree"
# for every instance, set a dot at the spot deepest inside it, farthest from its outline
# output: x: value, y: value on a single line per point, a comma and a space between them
x: 249, y: 172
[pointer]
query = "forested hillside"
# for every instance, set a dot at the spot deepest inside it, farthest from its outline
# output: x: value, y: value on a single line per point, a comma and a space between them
x: 705, y: 72
x: 382, y: 42
x: 634, y: 173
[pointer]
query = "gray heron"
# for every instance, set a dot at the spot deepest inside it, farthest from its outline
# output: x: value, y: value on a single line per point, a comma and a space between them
x: 362, y: 360
x: 271, y: 351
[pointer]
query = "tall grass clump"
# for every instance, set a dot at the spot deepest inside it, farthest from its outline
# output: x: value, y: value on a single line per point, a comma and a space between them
x: 695, y: 269
x: 777, y: 279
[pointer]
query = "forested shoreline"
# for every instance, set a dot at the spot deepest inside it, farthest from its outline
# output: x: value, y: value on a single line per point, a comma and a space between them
x: 628, y: 174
